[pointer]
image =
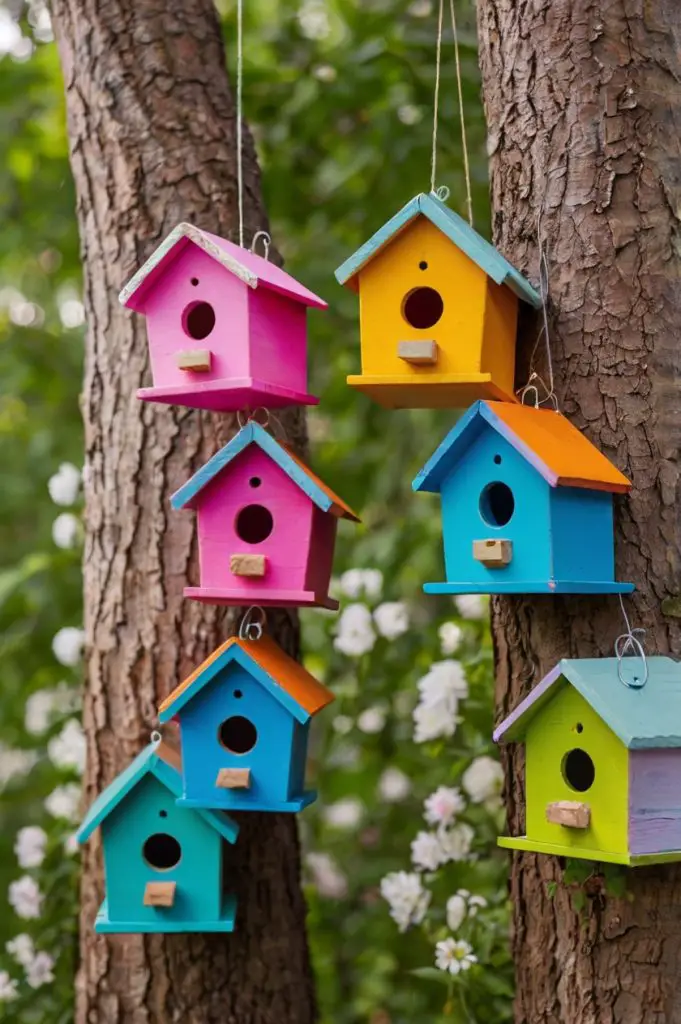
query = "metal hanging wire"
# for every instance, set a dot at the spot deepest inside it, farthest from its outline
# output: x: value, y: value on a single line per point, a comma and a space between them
x: 629, y: 647
x: 252, y: 626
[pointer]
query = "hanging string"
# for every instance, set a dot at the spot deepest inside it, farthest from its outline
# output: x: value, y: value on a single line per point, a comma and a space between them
x: 534, y: 378
x: 464, y: 142
x: 631, y: 643
x: 253, y: 623
x: 436, y: 98
x: 239, y: 114
x: 261, y: 416
x: 266, y: 242
x: 156, y: 737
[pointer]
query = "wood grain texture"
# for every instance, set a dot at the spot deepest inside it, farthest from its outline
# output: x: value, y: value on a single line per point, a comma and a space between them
x: 583, y: 105
x: 495, y: 554
x: 159, y: 894
x: 233, y: 778
x: 568, y: 813
x: 151, y: 126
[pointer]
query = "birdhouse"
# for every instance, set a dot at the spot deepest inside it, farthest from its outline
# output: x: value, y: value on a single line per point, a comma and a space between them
x: 244, y: 716
x: 526, y: 505
x: 266, y: 523
x: 163, y: 864
x: 602, y: 761
x: 438, y: 309
x: 226, y: 327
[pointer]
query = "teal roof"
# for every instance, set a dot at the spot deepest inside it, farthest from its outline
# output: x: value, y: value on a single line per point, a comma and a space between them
x: 457, y: 231
x: 149, y: 761
x: 643, y: 717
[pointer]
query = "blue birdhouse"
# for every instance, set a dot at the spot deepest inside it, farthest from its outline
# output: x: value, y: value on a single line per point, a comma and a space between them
x: 163, y: 864
x: 244, y: 715
x: 526, y: 505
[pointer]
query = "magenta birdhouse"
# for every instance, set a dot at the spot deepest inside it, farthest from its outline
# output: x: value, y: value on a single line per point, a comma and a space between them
x: 226, y: 328
x: 266, y: 523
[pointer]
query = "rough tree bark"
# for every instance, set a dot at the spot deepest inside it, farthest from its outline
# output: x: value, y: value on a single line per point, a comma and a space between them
x: 152, y: 127
x: 583, y: 101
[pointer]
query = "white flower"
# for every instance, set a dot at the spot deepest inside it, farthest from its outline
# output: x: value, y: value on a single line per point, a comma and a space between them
x: 393, y: 785
x: 67, y: 750
x: 325, y: 73
x: 26, y: 897
x: 10, y: 34
x: 71, y: 844
x: 21, y: 949
x: 39, y: 971
x: 409, y: 113
x: 456, y: 911
x: 15, y: 762
x: 30, y: 846
x: 67, y: 645
x: 65, y: 484
x: 64, y: 802
x: 431, y: 722
x: 65, y: 530
x: 420, y: 8
x: 483, y: 779
x: 392, y: 619
x: 454, y: 956
x: 43, y: 705
x: 372, y: 720
x: 356, y: 583
x: 72, y: 313
x: 327, y: 876
x: 444, y: 682
x: 8, y: 986
x: 476, y: 903
x: 342, y: 724
x: 345, y: 813
x: 450, y: 637
x: 426, y: 851
x: 472, y: 606
x: 313, y: 19
x: 355, y: 633
x: 408, y: 900
x: 442, y: 806
x: 456, y: 842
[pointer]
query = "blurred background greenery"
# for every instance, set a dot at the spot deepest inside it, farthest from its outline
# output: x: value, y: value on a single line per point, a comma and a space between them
x: 339, y: 97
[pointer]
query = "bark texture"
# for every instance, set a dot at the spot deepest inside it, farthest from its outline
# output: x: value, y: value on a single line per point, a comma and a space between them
x: 152, y: 128
x: 583, y: 102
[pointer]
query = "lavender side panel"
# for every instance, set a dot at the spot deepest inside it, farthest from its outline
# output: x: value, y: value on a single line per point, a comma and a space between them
x: 654, y: 801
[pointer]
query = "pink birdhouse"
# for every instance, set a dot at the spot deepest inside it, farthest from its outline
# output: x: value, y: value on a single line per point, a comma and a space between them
x: 266, y: 523
x: 226, y: 328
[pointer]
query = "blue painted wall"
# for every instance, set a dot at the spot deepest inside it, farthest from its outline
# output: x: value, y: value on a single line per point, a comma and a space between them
x: 198, y: 874
x: 583, y: 539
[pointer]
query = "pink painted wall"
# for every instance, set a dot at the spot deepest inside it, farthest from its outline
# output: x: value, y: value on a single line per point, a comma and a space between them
x: 278, y: 339
x: 286, y: 548
x: 321, y: 552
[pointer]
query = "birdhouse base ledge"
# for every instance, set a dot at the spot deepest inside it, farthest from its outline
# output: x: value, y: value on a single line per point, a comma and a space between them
x: 531, y: 587
x: 417, y: 390
x: 233, y: 800
x: 228, y: 395
x: 557, y: 850
x: 163, y: 925
x: 265, y: 598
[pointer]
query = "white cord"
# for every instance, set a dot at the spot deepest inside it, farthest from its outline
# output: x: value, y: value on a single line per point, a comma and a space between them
x: 436, y: 98
x: 629, y: 643
x: 464, y: 141
x: 239, y: 114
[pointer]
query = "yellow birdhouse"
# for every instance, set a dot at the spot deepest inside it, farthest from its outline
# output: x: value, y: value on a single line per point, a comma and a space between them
x: 438, y: 311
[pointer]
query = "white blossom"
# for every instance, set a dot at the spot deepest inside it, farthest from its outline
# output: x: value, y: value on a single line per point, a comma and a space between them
x: 456, y: 842
x: 457, y: 908
x: 40, y: 970
x: 355, y: 632
x: 325, y: 73
x: 10, y: 35
x: 67, y: 750
x: 450, y: 636
x: 483, y: 779
x: 372, y: 720
x: 22, y: 50
x: 426, y: 851
x: 65, y: 484
x: 64, y: 802
x: 442, y: 806
x: 8, y: 986
x: 432, y: 722
x: 357, y: 583
x: 345, y: 813
x: 409, y: 113
x: 420, y: 8
x: 65, y: 530
x: 342, y: 724
x: 30, y: 846
x: 454, y: 955
x: 21, y: 949
x: 67, y: 645
x: 313, y: 19
x: 406, y: 897
x: 444, y: 683
x: 327, y: 876
x: 476, y: 903
x: 71, y: 844
x: 15, y: 762
x: 392, y: 619
x: 472, y: 606
x: 44, y: 705
x: 72, y: 313
x: 25, y: 897
x: 393, y: 785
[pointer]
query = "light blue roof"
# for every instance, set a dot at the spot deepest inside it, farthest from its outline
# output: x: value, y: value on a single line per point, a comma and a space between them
x: 457, y: 231
x: 149, y: 761
x: 643, y: 718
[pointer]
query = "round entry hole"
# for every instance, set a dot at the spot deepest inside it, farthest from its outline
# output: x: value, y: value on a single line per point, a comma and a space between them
x: 422, y: 308
x: 254, y: 524
x: 162, y: 851
x: 238, y: 734
x: 497, y: 504
x: 198, y: 320
x: 579, y: 770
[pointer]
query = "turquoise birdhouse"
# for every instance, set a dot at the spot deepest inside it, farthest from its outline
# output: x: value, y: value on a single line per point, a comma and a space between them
x: 527, y: 505
x: 244, y: 716
x: 163, y: 864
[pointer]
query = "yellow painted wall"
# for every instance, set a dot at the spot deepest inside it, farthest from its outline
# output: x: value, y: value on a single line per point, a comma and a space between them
x: 501, y: 326
x: 550, y: 735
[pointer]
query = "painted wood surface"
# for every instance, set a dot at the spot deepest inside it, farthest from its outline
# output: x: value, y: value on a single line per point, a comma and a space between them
x: 655, y: 800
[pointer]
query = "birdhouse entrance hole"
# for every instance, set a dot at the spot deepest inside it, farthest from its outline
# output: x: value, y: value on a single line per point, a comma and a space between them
x: 238, y: 734
x: 497, y: 504
x: 578, y: 770
x: 254, y: 524
x: 162, y: 851
x: 422, y: 307
x: 198, y: 320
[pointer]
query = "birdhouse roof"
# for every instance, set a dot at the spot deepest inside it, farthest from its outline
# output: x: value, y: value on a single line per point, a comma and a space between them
x: 283, y: 677
x: 250, y: 268
x: 165, y: 764
x: 642, y: 718
x: 322, y: 496
x: 457, y: 230
x: 545, y: 438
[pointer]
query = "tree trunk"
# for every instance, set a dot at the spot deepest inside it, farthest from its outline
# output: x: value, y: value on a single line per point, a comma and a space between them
x: 152, y: 129
x: 583, y: 102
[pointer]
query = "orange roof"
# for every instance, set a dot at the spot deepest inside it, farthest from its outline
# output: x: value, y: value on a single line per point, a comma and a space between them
x: 567, y: 454
x: 339, y: 507
x: 283, y: 670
